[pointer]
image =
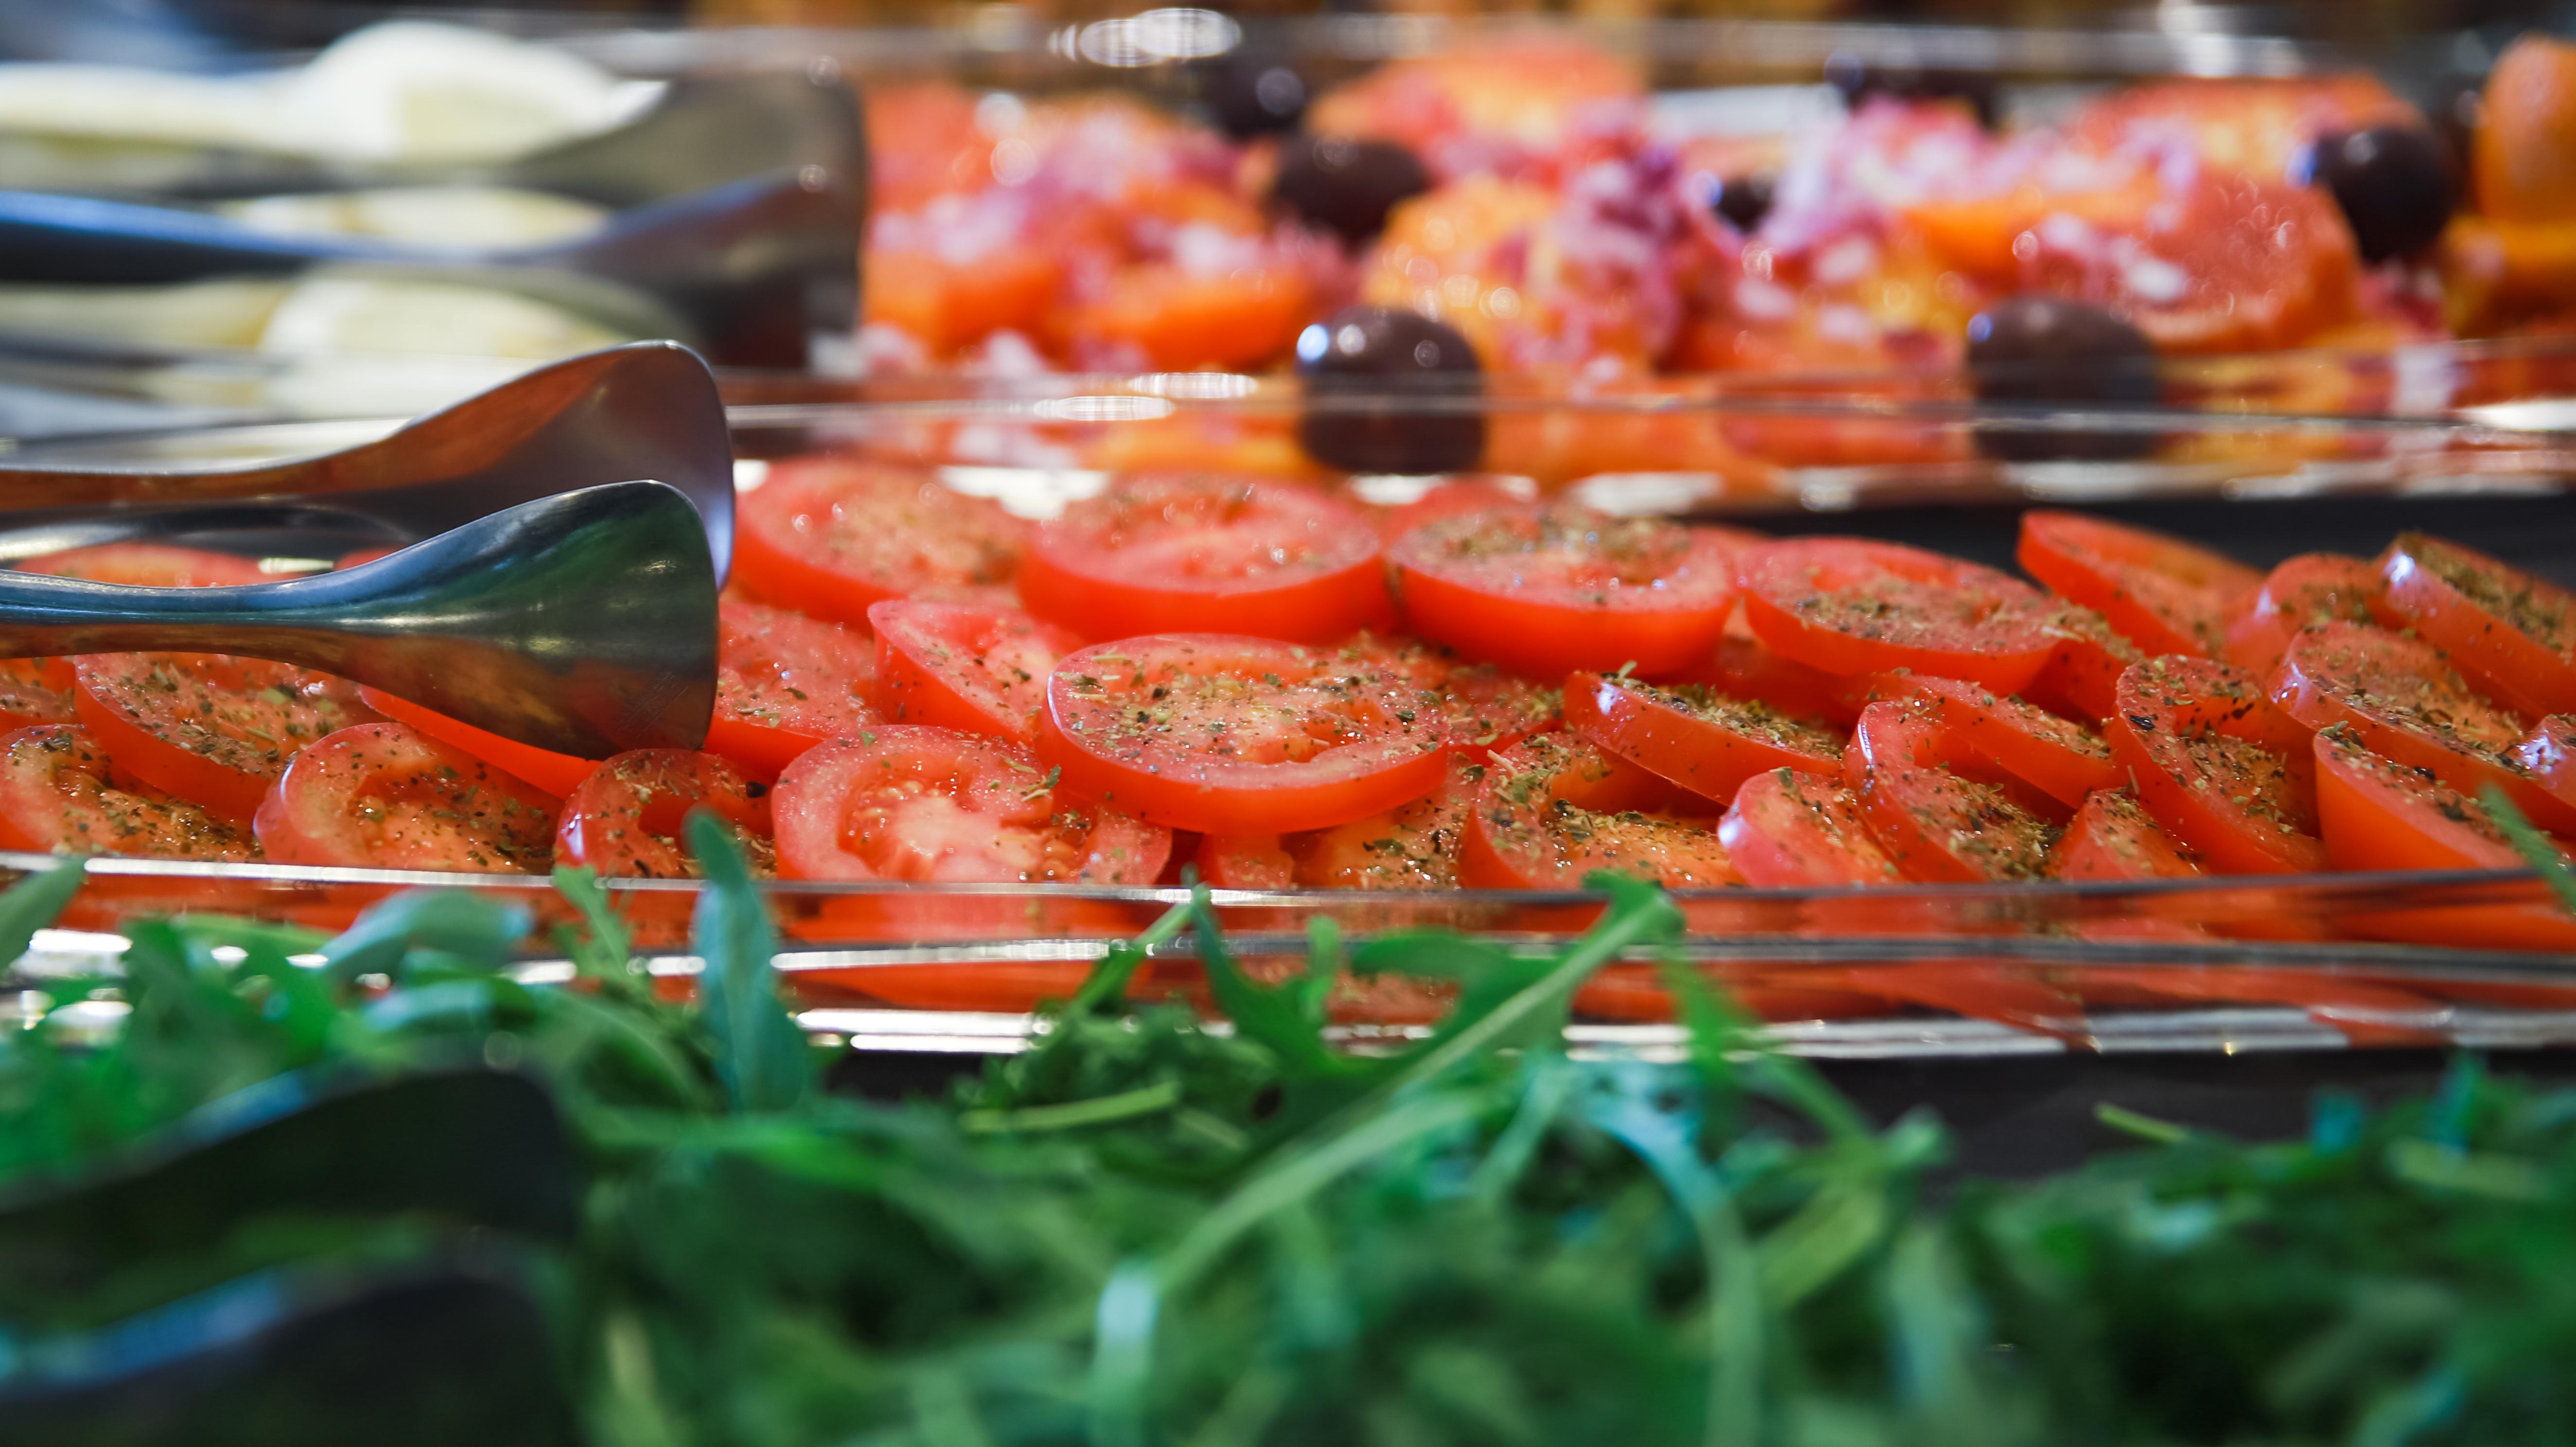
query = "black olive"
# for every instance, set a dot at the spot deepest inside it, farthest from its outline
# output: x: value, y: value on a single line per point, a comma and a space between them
x: 1344, y: 185
x: 1858, y: 80
x: 1743, y: 200
x: 1379, y: 365
x: 1254, y: 93
x: 2032, y: 348
x: 2396, y: 185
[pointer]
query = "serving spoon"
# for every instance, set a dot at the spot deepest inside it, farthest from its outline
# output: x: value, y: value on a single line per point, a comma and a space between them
x: 584, y: 623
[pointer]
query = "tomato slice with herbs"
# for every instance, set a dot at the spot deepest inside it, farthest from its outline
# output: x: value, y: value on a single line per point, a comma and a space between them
x: 1938, y: 826
x: 2115, y: 838
x: 556, y: 774
x: 1694, y: 736
x: 1411, y: 847
x: 1850, y: 606
x: 1745, y: 667
x: 386, y: 796
x: 983, y: 670
x: 207, y: 727
x: 2159, y: 592
x: 1485, y: 705
x: 1553, y: 809
x: 61, y: 794
x: 2228, y: 775
x: 2512, y: 634
x: 626, y: 819
x: 2377, y: 813
x: 786, y: 682
x: 1206, y: 554
x: 2303, y: 592
x: 2547, y: 757
x: 831, y: 535
x: 36, y: 691
x: 934, y: 805
x: 1789, y: 829
x: 1232, y: 735
x: 148, y: 565
x: 2081, y: 679
x: 2006, y: 741
x: 1549, y: 589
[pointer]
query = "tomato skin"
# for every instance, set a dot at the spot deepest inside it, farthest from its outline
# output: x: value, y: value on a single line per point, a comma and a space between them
x: 1207, y: 555
x: 1694, y: 737
x: 2161, y: 593
x: 1519, y: 836
x: 1545, y: 590
x: 626, y: 818
x: 1850, y: 606
x: 556, y: 774
x: 2008, y: 742
x: 2511, y: 634
x: 1938, y: 827
x: 1793, y: 830
x: 784, y: 683
x: 60, y: 794
x: 982, y: 670
x: 1308, y: 738
x: 210, y: 728
x: 383, y: 796
x: 148, y: 565
x: 2114, y: 838
x: 829, y: 536
x: 2193, y: 736
x: 2376, y: 814
x: 2309, y: 589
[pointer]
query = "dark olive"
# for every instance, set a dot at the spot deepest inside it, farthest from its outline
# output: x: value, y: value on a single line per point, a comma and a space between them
x: 1743, y: 200
x: 1379, y: 367
x: 1859, y: 79
x: 2396, y: 185
x: 2032, y: 348
x: 1254, y: 93
x: 1346, y: 186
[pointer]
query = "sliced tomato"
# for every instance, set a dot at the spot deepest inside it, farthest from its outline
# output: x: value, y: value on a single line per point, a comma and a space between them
x: 2230, y: 776
x: 148, y: 565
x: 2159, y: 592
x: 626, y: 818
x: 2006, y: 741
x: 2309, y: 589
x: 385, y: 796
x: 831, y: 535
x: 36, y: 691
x: 1938, y: 826
x: 2115, y: 838
x: 60, y: 794
x: 1486, y: 706
x: 2377, y: 813
x: 786, y: 682
x: 937, y: 805
x: 1231, y: 735
x: 1446, y: 499
x: 1549, y: 589
x: 556, y: 774
x: 983, y: 670
x: 1789, y: 829
x: 2547, y: 757
x: 209, y: 728
x: 1411, y: 847
x: 1851, y: 606
x: 1745, y: 667
x: 2081, y: 679
x: 1694, y: 736
x: 2512, y: 634
x: 1553, y: 809
x: 1207, y: 554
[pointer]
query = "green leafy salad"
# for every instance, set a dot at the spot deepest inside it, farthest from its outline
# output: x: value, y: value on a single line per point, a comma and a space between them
x: 1147, y: 1229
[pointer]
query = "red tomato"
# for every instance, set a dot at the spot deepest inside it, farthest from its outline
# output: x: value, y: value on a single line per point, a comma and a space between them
x: 1937, y: 826
x: 383, y: 796
x: 2161, y: 593
x: 60, y: 794
x: 1485, y: 707
x: 1745, y: 667
x: 35, y: 691
x: 1231, y: 735
x: 2309, y: 589
x: 1850, y: 606
x: 1694, y: 736
x: 1412, y: 847
x: 1553, y: 809
x: 1548, y: 589
x: 626, y: 818
x: 1208, y: 555
x: 936, y: 805
x: 2230, y: 776
x: 2547, y: 757
x: 148, y: 565
x: 2401, y: 699
x: 556, y: 774
x: 209, y: 728
x: 2006, y: 741
x: 831, y: 535
x: 2513, y: 635
x: 982, y: 670
x: 2114, y: 838
x: 1448, y: 499
x: 784, y: 683
x: 2082, y: 675
x: 2380, y: 814
x: 1794, y: 830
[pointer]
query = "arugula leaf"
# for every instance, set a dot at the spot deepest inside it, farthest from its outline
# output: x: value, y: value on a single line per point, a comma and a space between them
x: 760, y: 1054
x: 36, y: 902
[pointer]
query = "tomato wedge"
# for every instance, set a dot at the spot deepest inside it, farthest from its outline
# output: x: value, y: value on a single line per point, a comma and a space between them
x: 2513, y: 635
x: 626, y: 818
x: 2006, y: 741
x: 2081, y: 679
x: 1231, y: 735
x: 1412, y: 847
x: 2377, y: 813
x: 1694, y: 736
x: 2307, y: 590
x: 209, y: 728
x: 147, y: 565
x: 2228, y: 775
x: 555, y: 774
x: 1938, y: 826
x: 927, y: 804
x: 60, y: 794
x: 831, y: 535
x: 983, y: 670
x: 1553, y: 809
x: 1789, y: 829
x: 1206, y: 554
x: 1549, y: 589
x: 1484, y: 705
x: 1852, y: 606
x: 2159, y: 592
x: 385, y: 796
x: 2115, y: 838
x: 784, y: 683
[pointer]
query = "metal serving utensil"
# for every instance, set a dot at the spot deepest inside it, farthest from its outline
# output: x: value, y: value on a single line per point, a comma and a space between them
x: 584, y: 623
x: 647, y: 409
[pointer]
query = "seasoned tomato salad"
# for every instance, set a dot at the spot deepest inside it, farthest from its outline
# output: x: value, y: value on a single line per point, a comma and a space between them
x: 1281, y: 688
